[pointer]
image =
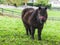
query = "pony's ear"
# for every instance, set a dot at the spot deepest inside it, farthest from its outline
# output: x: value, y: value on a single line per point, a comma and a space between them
x: 40, y: 7
x: 45, y: 7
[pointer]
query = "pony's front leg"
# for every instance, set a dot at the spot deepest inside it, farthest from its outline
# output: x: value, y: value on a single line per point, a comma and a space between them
x: 39, y: 32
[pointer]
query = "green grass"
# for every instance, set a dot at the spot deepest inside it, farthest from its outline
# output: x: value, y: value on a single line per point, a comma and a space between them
x: 12, y: 32
x: 53, y: 13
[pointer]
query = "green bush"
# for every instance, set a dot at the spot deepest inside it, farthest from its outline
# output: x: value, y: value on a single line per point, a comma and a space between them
x: 1, y: 1
x: 49, y: 6
x: 43, y: 2
x: 36, y: 4
x: 30, y: 4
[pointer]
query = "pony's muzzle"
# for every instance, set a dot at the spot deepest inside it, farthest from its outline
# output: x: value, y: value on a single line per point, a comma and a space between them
x: 42, y: 18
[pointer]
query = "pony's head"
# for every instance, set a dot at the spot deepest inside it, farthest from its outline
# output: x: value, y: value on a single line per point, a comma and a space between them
x: 42, y: 14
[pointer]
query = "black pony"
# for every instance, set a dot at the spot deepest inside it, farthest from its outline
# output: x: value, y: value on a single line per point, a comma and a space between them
x: 33, y: 19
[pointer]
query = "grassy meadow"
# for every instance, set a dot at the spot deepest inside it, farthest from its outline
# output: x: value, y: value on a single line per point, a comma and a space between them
x: 12, y: 32
x: 54, y: 13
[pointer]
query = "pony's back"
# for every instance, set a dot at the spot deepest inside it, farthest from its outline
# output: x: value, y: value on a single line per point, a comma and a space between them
x: 26, y: 10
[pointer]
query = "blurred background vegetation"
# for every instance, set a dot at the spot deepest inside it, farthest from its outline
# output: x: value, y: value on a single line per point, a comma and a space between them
x: 12, y: 2
x: 26, y: 2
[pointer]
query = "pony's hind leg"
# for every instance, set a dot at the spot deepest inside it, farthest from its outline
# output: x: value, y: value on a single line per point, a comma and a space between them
x: 26, y: 27
x: 32, y: 32
x: 29, y: 31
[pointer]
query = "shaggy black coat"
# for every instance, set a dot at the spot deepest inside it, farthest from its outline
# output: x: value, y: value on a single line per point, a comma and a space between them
x: 33, y: 19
